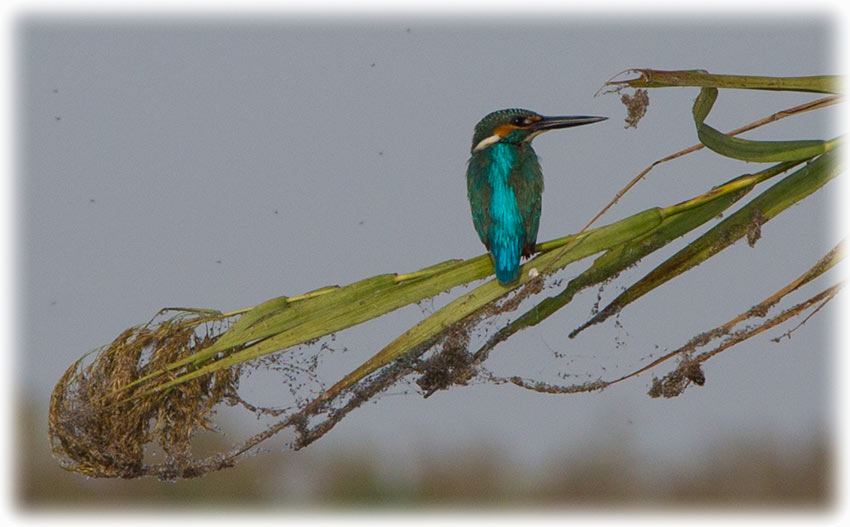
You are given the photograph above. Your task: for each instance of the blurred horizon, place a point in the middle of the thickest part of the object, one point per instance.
(738, 472)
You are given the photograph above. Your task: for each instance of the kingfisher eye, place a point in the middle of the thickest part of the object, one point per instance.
(519, 121)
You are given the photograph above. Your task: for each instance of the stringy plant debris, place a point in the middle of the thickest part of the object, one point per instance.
(451, 365)
(676, 381)
(636, 105)
(454, 363)
(754, 228)
(92, 433)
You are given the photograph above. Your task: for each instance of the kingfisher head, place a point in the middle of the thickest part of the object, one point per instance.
(516, 126)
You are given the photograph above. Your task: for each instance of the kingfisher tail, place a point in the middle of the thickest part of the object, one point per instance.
(506, 253)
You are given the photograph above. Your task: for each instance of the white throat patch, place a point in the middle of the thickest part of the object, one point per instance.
(487, 141)
(532, 135)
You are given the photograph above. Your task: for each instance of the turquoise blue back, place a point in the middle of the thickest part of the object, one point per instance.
(505, 187)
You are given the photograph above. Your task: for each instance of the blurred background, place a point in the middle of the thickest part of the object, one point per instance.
(304, 151)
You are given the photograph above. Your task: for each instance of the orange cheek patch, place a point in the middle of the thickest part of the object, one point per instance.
(504, 130)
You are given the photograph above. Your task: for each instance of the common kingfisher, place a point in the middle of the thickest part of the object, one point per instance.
(505, 184)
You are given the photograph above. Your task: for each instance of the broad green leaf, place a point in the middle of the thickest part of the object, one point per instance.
(299, 322)
(760, 210)
(650, 78)
(613, 262)
(582, 246)
(684, 218)
(747, 150)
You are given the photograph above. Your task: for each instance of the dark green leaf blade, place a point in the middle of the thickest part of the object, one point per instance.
(760, 210)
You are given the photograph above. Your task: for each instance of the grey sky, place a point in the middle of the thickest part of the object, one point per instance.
(221, 162)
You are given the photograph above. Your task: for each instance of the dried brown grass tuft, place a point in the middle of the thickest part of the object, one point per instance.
(95, 431)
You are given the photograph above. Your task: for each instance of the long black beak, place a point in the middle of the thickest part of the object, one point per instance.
(564, 121)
